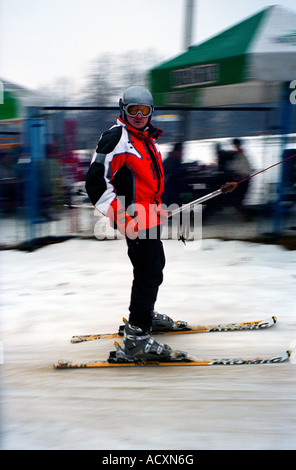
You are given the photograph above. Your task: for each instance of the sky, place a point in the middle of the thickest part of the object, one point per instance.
(42, 41)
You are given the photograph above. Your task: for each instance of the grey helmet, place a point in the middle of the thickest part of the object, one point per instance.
(135, 95)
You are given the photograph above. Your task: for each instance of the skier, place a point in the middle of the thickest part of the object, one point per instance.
(125, 182)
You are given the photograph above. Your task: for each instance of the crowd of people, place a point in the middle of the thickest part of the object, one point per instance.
(231, 165)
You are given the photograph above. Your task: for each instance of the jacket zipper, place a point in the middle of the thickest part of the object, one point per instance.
(155, 164)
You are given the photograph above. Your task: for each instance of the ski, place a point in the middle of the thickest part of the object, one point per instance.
(185, 361)
(183, 328)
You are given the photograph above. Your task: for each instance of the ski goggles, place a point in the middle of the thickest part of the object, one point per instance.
(133, 109)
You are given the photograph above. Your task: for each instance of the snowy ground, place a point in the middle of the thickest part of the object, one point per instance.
(82, 286)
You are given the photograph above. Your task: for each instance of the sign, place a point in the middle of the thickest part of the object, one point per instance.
(196, 75)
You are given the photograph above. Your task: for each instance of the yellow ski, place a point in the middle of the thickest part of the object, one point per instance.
(183, 328)
(187, 361)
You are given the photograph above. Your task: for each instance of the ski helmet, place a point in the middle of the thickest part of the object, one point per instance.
(135, 95)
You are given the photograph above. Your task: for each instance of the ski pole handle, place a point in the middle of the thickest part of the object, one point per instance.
(196, 201)
(227, 187)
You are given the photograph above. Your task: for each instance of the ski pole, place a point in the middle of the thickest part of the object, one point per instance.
(267, 168)
(228, 187)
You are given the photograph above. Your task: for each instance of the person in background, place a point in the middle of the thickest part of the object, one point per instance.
(239, 168)
(174, 175)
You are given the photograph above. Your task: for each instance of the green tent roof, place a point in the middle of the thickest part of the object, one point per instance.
(235, 39)
(218, 61)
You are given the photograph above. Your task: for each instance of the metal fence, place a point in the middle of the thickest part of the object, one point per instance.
(43, 197)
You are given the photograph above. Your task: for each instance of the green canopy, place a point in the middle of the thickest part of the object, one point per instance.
(14, 99)
(259, 49)
(9, 106)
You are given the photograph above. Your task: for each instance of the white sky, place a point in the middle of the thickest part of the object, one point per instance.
(43, 40)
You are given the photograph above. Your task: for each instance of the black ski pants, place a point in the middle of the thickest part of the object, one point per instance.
(148, 260)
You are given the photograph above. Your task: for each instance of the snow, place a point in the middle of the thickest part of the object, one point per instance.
(83, 286)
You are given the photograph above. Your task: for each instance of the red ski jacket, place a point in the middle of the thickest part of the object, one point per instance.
(126, 173)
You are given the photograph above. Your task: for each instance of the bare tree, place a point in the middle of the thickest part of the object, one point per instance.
(111, 74)
(108, 77)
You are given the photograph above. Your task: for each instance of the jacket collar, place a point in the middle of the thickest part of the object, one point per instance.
(149, 132)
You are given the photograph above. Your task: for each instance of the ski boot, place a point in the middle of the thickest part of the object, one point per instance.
(160, 324)
(164, 323)
(119, 356)
(141, 346)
